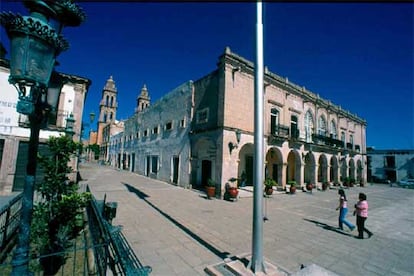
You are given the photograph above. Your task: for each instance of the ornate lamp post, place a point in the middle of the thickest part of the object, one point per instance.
(35, 42)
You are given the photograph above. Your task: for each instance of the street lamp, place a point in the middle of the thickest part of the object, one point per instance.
(35, 42)
(70, 122)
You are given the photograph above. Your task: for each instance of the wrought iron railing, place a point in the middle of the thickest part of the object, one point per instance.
(117, 253)
(100, 245)
(326, 140)
(9, 222)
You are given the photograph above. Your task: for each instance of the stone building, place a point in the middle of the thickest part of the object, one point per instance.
(15, 134)
(207, 131)
(393, 165)
(156, 141)
(307, 138)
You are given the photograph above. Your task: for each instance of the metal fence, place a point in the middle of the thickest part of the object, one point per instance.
(118, 254)
(100, 247)
(9, 222)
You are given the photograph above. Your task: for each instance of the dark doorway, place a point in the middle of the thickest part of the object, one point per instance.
(275, 172)
(176, 162)
(133, 162)
(249, 170)
(205, 171)
(148, 165)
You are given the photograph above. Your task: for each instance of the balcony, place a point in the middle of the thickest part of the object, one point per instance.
(282, 133)
(326, 140)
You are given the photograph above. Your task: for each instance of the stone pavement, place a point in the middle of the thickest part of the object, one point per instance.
(178, 231)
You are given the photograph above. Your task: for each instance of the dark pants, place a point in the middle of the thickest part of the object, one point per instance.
(361, 227)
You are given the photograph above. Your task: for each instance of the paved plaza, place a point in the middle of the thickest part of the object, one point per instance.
(178, 231)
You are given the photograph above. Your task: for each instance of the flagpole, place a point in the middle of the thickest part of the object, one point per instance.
(257, 263)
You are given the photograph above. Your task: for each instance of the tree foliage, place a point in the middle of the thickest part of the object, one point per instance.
(56, 215)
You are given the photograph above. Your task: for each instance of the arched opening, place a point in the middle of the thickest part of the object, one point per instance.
(293, 167)
(323, 169)
(274, 165)
(309, 170)
(333, 175)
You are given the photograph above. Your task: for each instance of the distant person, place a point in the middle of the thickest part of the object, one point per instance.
(361, 211)
(343, 210)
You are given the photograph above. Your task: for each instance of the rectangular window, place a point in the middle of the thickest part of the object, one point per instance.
(145, 134)
(168, 126)
(154, 164)
(202, 116)
(155, 130)
(182, 123)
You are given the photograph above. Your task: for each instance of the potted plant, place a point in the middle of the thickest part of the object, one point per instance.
(231, 189)
(309, 186)
(292, 184)
(325, 186)
(211, 188)
(269, 183)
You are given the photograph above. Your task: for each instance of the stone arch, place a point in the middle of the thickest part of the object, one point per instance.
(309, 170)
(351, 168)
(293, 167)
(246, 163)
(203, 161)
(274, 165)
(344, 168)
(322, 169)
(333, 175)
(359, 171)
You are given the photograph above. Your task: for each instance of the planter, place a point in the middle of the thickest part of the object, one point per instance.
(268, 190)
(324, 186)
(292, 189)
(233, 192)
(211, 192)
(309, 186)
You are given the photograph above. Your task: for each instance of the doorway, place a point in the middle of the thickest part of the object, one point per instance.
(205, 171)
(176, 162)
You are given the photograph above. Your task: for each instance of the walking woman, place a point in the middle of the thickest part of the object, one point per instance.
(343, 210)
(361, 211)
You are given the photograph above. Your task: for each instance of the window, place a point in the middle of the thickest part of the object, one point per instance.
(155, 130)
(168, 126)
(343, 137)
(322, 126)
(274, 121)
(308, 126)
(145, 134)
(202, 116)
(334, 134)
(182, 123)
(351, 139)
(294, 127)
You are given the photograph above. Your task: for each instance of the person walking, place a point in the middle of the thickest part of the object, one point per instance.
(361, 211)
(343, 210)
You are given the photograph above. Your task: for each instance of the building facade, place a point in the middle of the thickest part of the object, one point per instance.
(306, 138)
(15, 131)
(155, 142)
(392, 165)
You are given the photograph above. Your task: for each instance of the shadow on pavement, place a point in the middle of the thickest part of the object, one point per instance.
(328, 227)
(143, 196)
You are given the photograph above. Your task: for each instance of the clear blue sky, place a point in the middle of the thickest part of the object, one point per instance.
(359, 56)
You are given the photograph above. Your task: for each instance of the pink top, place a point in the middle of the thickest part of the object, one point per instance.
(362, 208)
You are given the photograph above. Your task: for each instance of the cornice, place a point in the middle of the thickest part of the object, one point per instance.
(247, 66)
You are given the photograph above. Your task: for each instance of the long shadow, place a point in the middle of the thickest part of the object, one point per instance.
(143, 196)
(328, 227)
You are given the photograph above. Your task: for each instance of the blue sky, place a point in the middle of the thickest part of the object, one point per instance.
(358, 55)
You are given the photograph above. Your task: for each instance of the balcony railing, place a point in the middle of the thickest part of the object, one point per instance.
(282, 132)
(326, 140)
